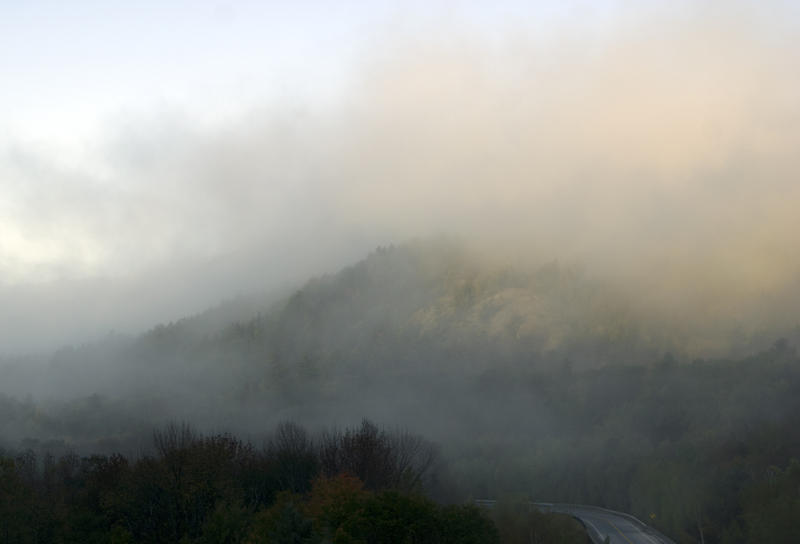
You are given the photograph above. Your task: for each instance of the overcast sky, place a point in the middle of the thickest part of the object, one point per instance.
(157, 157)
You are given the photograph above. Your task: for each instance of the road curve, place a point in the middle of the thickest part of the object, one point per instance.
(600, 523)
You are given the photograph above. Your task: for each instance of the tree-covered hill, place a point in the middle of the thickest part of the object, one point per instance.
(543, 381)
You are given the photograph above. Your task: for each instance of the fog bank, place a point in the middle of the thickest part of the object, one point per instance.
(657, 148)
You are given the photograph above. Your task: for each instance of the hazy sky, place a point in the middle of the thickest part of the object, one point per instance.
(156, 157)
(98, 96)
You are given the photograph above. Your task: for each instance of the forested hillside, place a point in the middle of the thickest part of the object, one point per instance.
(543, 382)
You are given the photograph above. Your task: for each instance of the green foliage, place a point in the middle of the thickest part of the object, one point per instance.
(467, 524)
(344, 512)
(228, 524)
(283, 523)
(216, 489)
(392, 517)
(772, 506)
(337, 506)
(17, 507)
(120, 535)
(519, 522)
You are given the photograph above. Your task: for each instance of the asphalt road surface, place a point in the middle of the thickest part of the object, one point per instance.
(618, 527)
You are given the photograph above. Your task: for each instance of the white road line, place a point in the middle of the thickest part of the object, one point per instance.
(650, 538)
(596, 530)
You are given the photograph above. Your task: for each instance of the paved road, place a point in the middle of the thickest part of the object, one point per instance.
(620, 528)
(600, 523)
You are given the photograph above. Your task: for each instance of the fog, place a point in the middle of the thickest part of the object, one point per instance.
(558, 241)
(657, 146)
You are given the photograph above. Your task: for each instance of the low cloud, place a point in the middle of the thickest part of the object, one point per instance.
(660, 150)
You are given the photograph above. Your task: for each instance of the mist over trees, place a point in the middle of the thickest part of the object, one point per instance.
(592, 292)
(545, 383)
